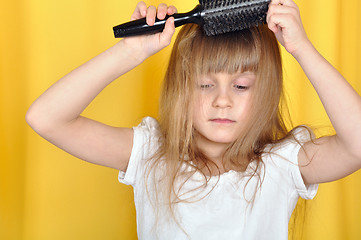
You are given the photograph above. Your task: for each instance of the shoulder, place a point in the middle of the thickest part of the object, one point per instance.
(282, 162)
(289, 146)
(146, 141)
(148, 124)
(146, 136)
(146, 132)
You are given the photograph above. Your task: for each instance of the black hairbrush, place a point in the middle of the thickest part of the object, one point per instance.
(215, 16)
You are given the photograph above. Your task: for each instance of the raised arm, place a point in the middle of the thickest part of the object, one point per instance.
(332, 157)
(55, 115)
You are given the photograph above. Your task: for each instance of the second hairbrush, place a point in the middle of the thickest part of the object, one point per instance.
(215, 16)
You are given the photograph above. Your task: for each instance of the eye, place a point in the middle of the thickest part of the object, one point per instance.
(205, 86)
(240, 87)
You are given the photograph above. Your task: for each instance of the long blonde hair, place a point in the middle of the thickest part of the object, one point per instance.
(194, 53)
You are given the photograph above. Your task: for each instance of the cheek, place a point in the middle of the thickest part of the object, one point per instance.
(199, 107)
(244, 108)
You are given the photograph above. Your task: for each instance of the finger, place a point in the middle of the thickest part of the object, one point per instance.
(162, 11)
(166, 36)
(172, 10)
(277, 2)
(151, 13)
(289, 3)
(279, 21)
(140, 11)
(280, 9)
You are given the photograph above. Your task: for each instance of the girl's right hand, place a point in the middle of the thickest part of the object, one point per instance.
(146, 45)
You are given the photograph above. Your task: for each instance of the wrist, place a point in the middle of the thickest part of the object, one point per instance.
(303, 50)
(132, 54)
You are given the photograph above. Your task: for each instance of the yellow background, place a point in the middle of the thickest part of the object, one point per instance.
(47, 194)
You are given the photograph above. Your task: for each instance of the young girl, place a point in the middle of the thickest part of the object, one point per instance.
(220, 162)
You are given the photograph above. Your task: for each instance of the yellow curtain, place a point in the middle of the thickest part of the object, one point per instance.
(47, 194)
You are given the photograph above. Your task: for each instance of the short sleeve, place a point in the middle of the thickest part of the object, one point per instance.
(285, 159)
(145, 143)
(302, 135)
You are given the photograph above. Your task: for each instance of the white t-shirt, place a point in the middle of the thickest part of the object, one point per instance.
(225, 213)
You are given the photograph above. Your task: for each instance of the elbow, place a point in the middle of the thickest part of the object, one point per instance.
(31, 118)
(35, 120)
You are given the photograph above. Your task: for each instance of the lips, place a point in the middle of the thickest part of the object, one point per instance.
(222, 120)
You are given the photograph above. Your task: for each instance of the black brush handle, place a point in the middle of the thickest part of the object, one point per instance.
(140, 26)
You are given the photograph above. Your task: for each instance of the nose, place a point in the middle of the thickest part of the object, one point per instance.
(222, 99)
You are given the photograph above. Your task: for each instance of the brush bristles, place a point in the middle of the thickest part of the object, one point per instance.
(222, 16)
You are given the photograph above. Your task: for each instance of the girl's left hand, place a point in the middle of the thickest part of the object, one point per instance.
(284, 20)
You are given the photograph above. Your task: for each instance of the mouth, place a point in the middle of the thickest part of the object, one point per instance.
(222, 120)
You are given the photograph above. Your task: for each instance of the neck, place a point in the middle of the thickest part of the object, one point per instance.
(215, 152)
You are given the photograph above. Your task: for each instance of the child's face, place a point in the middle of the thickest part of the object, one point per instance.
(221, 106)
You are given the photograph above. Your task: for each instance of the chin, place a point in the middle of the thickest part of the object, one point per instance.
(222, 139)
(217, 137)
